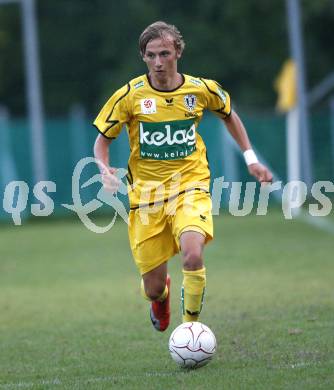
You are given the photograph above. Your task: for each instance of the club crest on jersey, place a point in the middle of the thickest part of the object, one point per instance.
(148, 106)
(190, 102)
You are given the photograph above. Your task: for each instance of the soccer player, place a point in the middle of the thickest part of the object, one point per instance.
(168, 172)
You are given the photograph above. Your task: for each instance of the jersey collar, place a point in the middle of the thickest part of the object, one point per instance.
(162, 90)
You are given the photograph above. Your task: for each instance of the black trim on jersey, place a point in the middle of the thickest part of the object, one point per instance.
(163, 90)
(100, 132)
(114, 122)
(168, 199)
(218, 85)
(129, 176)
(219, 111)
(210, 90)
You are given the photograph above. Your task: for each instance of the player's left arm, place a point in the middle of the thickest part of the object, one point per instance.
(239, 133)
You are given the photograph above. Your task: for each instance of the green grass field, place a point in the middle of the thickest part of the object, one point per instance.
(72, 316)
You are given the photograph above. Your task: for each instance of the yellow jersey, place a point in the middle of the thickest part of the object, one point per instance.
(167, 155)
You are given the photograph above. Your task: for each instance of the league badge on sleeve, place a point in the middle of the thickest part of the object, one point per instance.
(221, 94)
(190, 102)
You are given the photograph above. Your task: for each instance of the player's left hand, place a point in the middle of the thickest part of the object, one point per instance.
(261, 173)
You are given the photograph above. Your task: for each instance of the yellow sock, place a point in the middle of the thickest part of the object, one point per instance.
(192, 294)
(162, 296)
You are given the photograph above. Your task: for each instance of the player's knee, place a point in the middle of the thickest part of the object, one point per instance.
(154, 291)
(192, 259)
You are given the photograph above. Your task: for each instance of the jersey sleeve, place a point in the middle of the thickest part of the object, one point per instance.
(218, 100)
(114, 114)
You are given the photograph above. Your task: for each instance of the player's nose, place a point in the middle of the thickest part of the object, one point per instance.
(157, 61)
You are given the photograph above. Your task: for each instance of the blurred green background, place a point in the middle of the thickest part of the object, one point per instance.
(89, 48)
(71, 313)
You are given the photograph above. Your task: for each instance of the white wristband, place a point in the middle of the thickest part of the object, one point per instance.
(250, 157)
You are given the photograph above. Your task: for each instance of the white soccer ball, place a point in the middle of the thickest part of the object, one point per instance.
(192, 344)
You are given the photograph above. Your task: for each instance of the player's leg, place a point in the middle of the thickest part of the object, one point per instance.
(152, 246)
(192, 228)
(194, 275)
(156, 288)
(153, 285)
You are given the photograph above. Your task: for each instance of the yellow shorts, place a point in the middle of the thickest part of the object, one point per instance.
(154, 231)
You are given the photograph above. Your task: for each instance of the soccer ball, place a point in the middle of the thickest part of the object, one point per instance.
(192, 345)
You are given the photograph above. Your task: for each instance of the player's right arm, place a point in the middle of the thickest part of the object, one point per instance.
(101, 153)
(109, 123)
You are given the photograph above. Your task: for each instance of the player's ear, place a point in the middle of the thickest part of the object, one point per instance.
(178, 54)
(142, 55)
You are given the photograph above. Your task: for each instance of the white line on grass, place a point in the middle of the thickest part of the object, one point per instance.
(318, 222)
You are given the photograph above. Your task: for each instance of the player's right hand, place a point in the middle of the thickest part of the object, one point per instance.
(109, 180)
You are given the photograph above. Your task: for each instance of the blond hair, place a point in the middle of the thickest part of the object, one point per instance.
(160, 29)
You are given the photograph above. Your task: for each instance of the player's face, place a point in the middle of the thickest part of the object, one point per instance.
(161, 58)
